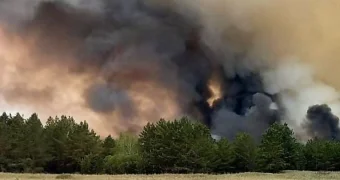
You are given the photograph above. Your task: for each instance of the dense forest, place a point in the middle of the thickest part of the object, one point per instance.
(179, 146)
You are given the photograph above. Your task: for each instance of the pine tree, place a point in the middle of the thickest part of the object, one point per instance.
(245, 152)
(108, 146)
(322, 155)
(57, 132)
(224, 157)
(15, 152)
(277, 150)
(178, 146)
(35, 145)
(4, 142)
(82, 142)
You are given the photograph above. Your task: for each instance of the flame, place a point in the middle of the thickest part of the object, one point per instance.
(215, 88)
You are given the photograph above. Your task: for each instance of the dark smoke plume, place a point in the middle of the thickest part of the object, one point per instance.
(123, 63)
(322, 123)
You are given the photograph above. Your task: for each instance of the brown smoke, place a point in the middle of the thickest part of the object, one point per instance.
(41, 71)
(273, 29)
(37, 81)
(46, 88)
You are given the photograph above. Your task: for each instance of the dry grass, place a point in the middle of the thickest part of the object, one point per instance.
(244, 176)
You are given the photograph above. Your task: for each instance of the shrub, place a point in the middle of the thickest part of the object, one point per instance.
(122, 164)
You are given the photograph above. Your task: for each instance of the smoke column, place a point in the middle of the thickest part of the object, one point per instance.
(237, 66)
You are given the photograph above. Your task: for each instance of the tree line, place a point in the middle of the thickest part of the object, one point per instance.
(179, 146)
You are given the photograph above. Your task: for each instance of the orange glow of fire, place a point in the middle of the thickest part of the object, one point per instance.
(216, 91)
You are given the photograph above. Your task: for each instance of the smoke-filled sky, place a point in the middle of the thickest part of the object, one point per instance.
(236, 65)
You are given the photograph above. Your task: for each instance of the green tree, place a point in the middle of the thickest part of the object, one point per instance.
(301, 161)
(35, 145)
(126, 156)
(4, 142)
(16, 137)
(322, 155)
(57, 132)
(108, 146)
(269, 158)
(245, 152)
(69, 143)
(177, 146)
(278, 149)
(92, 164)
(224, 157)
(82, 142)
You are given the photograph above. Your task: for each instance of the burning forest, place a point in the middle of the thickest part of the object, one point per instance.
(237, 66)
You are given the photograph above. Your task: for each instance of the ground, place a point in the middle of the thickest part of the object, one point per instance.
(243, 176)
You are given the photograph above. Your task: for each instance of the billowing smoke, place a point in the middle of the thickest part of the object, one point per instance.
(237, 66)
(322, 123)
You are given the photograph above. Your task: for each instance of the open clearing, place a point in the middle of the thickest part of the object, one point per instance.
(243, 176)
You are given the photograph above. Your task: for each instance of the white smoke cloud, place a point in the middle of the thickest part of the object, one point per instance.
(298, 90)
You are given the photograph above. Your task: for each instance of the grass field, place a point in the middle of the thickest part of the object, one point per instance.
(244, 176)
